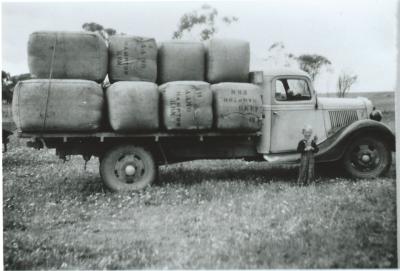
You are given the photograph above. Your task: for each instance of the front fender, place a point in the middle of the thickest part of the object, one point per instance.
(334, 147)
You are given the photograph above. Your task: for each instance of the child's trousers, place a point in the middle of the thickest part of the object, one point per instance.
(306, 172)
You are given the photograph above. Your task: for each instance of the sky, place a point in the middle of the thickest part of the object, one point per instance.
(357, 36)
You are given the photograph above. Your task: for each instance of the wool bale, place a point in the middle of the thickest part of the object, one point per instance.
(237, 106)
(132, 58)
(133, 106)
(187, 105)
(228, 60)
(58, 105)
(67, 55)
(181, 61)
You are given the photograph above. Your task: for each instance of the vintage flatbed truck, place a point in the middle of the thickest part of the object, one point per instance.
(347, 129)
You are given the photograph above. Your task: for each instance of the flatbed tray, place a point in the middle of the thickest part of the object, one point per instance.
(156, 136)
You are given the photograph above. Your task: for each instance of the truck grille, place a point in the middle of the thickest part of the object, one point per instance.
(342, 118)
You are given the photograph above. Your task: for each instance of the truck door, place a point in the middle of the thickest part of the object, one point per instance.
(292, 107)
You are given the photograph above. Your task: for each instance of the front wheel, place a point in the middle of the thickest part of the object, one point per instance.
(127, 168)
(367, 157)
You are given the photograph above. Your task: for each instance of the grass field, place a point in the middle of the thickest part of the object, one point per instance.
(204, 214)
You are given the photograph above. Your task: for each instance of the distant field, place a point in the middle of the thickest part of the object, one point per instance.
(204, 214)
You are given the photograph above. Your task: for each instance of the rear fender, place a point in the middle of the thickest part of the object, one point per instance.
(334, 147)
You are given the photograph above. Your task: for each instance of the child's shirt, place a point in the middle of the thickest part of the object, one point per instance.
(303, 144)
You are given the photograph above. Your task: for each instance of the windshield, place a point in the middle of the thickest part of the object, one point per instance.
(292, 90)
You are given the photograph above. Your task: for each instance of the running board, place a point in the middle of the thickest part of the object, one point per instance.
(282, 158)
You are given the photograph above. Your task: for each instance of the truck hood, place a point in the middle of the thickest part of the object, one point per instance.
(343, 103)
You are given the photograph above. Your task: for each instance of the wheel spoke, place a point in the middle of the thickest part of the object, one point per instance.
(364, 148)
(374, 154)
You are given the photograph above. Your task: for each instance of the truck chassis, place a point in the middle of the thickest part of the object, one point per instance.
(130, 161)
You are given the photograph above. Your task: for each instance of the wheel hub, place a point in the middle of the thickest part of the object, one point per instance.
(130, 170)
(365, 158)
(366, 155)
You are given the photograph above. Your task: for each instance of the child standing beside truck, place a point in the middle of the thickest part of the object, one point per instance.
(307, 147)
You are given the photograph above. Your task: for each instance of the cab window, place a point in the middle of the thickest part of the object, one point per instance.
(292, 90)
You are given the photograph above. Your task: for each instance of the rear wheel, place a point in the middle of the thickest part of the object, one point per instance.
(367, 157)
(127, 168)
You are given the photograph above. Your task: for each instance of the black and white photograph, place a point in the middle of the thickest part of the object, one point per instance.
(199, 134)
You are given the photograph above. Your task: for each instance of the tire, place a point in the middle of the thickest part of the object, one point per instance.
(127, 168)
(367, 157)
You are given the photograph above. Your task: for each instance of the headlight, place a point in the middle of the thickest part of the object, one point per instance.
(376, 114)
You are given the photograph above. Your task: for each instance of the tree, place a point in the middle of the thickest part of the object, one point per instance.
(205, 18)
(105, 33)
(5, 76)
(278, 56)
(8, 83)
(344, 83)
(6, 92)
(312, 64)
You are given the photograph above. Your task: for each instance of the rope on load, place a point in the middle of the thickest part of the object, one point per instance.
(50, 77)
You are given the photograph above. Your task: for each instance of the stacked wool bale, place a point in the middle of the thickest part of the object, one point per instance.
(58, 105)
(74, 103)
(181, 61)
(187, 105)
(133, 105)
(228, 60)
(67, 55)
(186, 100)
(237, 104)
(65, 98)
(132, 59)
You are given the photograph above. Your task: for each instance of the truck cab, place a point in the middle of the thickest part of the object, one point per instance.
(343, 126)
(289, 103)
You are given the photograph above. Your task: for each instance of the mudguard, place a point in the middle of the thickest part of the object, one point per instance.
(334, 147)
